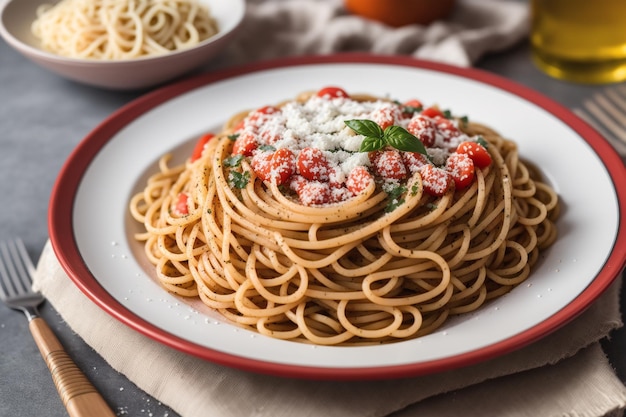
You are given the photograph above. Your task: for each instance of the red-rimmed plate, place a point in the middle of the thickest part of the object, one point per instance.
(91, 231)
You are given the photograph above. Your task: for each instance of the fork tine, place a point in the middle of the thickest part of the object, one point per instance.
(7, 270)
(6, 287)
(620, 100)
(614, 105)
(619, 146)
(608, 114)
(26, 261)
(17, 264)
(21, 260)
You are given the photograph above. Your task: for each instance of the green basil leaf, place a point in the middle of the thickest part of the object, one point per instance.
(233, 137)
(401, 139)
(367, 128)
(370, 144)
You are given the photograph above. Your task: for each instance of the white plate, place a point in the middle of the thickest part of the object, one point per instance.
(90, 226)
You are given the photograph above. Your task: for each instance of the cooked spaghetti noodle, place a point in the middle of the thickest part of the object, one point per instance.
(391, 261)
(122, 29)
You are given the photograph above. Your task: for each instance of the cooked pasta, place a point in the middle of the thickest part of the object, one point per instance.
(306, 222)
(122, 29)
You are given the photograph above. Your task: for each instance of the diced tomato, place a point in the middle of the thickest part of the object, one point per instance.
(181, 208)
(336, 177)
(447, 128)
(283, 165)
(278, 166)
(261, 163)
(436, 181)
(386, 116)
(389, 165)
(373, 156)
(314, 193)
(423, 128)
(414, 161)
(339, 194)
(256, 119)
(296, 182)
(260, 112)
(413, 104)
(332, 92)
(461, 169)
(313, 165)
(268, 137)
(199, 148)
(358, 180)
(432, 112)
(479, 154)
(245, 144)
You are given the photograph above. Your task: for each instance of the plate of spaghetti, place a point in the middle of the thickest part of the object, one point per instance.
(292, 219)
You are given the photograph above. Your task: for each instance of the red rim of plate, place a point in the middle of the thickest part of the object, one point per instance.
(68, 253)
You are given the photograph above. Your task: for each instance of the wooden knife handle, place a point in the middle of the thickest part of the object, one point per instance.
(80, 397)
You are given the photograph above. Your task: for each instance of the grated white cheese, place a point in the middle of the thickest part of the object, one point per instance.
(319, 122)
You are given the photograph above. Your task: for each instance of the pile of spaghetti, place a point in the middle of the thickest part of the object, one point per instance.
(341, 219)
(122, 29)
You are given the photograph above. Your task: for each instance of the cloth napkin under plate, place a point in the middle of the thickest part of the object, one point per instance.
(275, 28)
(566, 374)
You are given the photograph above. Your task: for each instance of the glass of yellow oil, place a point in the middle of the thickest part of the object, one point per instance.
(580, 40)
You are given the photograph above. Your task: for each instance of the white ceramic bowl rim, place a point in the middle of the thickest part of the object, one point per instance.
(229, 18)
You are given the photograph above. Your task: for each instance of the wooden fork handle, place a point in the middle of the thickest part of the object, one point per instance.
(80, 397)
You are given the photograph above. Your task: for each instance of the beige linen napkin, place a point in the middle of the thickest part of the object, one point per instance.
(565, 374)
(274, 28)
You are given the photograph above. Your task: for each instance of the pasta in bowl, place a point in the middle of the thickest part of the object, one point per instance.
(120, 44)
(346, 219)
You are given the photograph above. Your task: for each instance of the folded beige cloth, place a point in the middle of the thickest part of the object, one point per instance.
(565, 374)
(275, 28)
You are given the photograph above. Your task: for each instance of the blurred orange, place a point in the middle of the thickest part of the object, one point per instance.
(401, 12)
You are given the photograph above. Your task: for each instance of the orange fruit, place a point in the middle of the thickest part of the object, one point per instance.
(401, 12)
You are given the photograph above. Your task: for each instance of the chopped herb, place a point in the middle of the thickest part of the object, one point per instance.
(447, 114)
(408, 109)
(233, 137)
(267, 148)
(464, 120)
(412, 109)
(394, 198)
(431, 206)
(481, 141)
(233, 161)
(414, 189)
(238, 180)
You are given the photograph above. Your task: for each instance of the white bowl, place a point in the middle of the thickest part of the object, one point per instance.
(16, 17)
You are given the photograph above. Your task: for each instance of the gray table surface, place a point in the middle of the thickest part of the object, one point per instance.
(42, 118)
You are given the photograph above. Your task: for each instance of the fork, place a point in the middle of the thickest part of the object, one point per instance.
(606, 112)
(79, 396)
